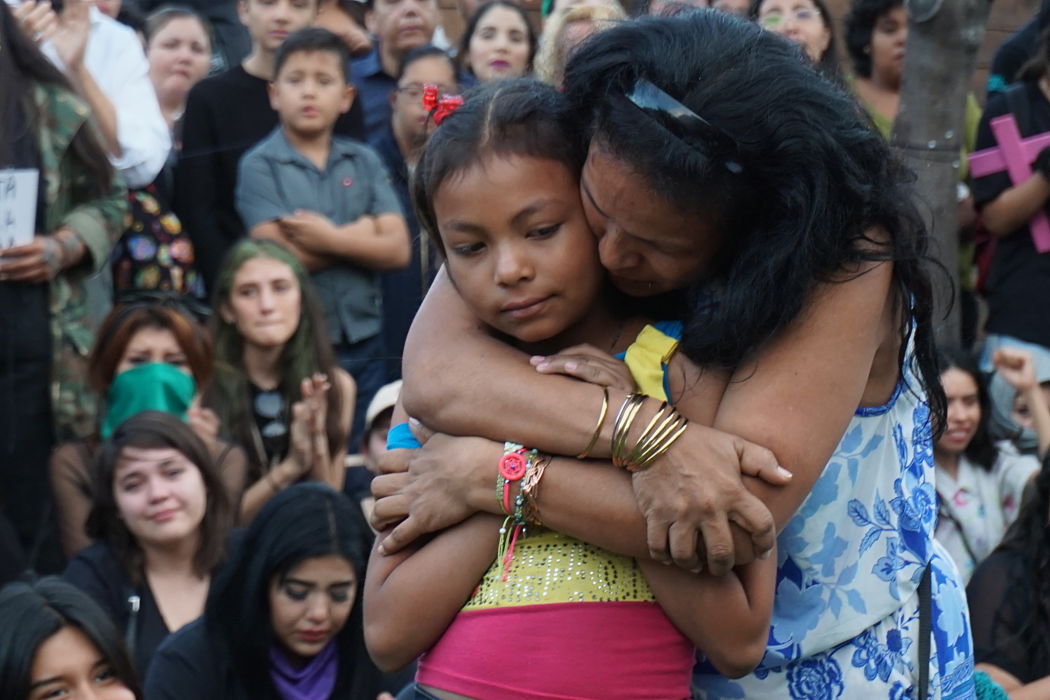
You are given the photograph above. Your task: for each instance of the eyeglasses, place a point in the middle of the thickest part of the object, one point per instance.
(686, 124)
(777, 19)
(414, 91)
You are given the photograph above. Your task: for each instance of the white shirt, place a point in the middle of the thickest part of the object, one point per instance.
(116, 61)
(977, 506)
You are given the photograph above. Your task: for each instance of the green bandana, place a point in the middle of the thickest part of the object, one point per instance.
(155, 386)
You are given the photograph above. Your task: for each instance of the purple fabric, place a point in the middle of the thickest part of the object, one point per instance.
(314, 681)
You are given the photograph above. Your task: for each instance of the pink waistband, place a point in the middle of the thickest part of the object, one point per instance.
(562, 651)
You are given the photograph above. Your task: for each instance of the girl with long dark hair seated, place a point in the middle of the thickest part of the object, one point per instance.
(277, 389)
(56, 642)
(283, 619)
(160, 517)
(148, 356)
(980, 483)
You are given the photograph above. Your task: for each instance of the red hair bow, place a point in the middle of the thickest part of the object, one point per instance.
(440, 107)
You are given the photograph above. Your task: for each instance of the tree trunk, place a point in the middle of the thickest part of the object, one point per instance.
(943, 39)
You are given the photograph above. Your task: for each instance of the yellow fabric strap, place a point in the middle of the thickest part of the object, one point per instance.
(646, 358)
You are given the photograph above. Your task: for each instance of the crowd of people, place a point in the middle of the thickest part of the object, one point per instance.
(591, 354)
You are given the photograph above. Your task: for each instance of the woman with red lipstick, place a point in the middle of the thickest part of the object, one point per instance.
(980, 483)
(160, 520)
(499, 42)
(283, 618)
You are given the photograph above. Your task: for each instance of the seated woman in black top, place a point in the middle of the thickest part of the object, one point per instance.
(160, 520)
(283, 618)
(56, 642)
(1009, 598)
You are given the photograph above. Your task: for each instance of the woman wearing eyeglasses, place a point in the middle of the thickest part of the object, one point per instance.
(805, 22)
(782, 233)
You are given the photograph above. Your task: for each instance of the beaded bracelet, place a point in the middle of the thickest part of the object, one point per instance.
(513, 466)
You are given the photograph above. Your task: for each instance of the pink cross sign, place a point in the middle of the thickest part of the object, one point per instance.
(1015, 155)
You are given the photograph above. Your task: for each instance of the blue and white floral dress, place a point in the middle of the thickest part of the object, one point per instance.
(846, 613)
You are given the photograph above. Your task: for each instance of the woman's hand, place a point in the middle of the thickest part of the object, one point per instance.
(38, 261)
(315, 396)
(433, 487)
(690, 496)
(588, 363)
(204, 421)
(301, 440)
(1017, 368)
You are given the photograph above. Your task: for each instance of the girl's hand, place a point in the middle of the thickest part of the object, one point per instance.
(204, 421)
(37, 20)
(588, 363)
(1016, 367)
(690, 495)
(301, 439)
(432, 488)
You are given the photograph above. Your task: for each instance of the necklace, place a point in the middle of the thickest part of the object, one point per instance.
(616, 337)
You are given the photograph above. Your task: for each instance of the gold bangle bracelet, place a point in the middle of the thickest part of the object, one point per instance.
(622, 427)
(598, 428)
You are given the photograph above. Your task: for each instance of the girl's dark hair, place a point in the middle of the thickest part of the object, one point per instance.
(421, 52)
(521, 117)
(829, 60)
(31, 613)
(812, 184)
(156, 429)
(463, 53)
(302, 522)
(1039, 64)
(1029, 535)
(306, 353)
(21, 65)
(982, 449)
(162, 16)
(860, 25)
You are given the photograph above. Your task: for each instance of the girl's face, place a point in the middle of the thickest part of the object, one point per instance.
(798, 20)
(311, 603)
(69, 666)
(265, 302)
(964, 411)
(499, 47)
(160, 495)
(179, 55)
(518, 247)
(647, 244)
(888, 40)
(152, 344)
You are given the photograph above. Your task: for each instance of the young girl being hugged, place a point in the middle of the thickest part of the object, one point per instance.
(498, 188)
(277, 390)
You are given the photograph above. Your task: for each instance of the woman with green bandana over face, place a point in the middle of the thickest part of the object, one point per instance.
(147, 357)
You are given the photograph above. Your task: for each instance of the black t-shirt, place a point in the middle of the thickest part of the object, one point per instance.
(1001, 599)
(225, 116)
(1019, 276)
(97, 571)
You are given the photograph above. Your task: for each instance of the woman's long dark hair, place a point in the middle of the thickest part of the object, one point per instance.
(814, 180)
(156, 429)
(982, 449)
(1030, 536)
(303, 522)
(31, 613)
(21, 65)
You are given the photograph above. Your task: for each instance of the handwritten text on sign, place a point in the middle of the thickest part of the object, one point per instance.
(17, 207)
